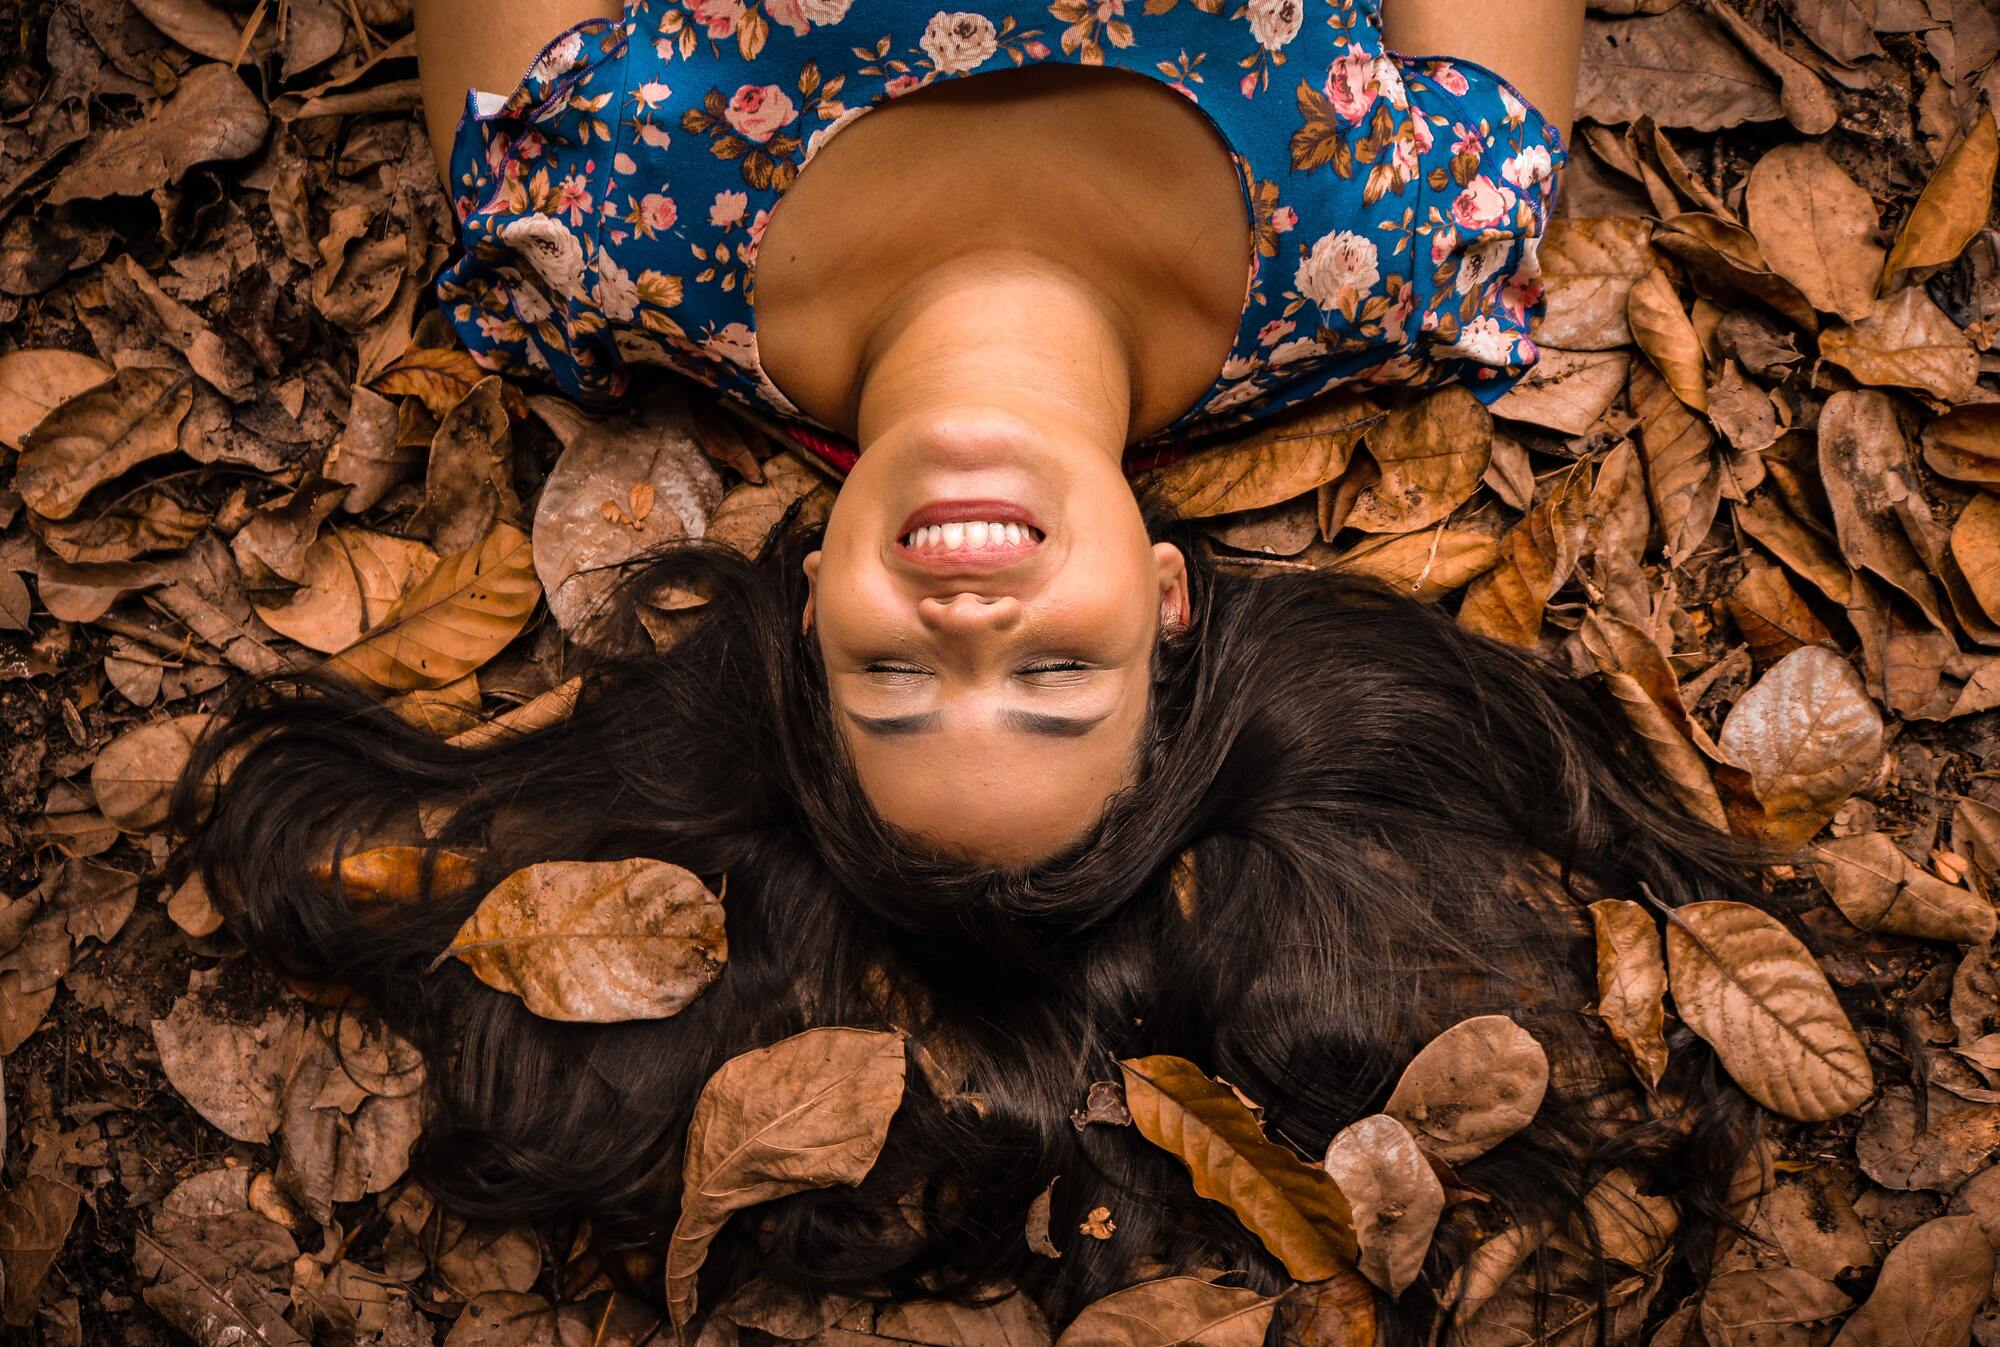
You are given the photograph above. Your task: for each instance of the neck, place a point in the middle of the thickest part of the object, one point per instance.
(1008, 331)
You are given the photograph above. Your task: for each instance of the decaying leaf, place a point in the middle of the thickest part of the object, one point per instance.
(212, 115)
(96, 435)
(1878, 888)
(810, 1111)
(461, 615)
(1816, 227)
(1953, 207)
(1964, 444)
(35, 1217)
(1295, 1209)
(34, 383)
(1906, 341)
(1809, 736)
(1677, 67)
(1663, 332)
(215, 1268)
(1535, 558)
(1275, 462)
(597, 941)
(1774, 620)
(1432, 455)
(1681, 476)
(1753, 992)
(1588, 268)
(133, 777)
(1932, 1284)
(350, 581)
(1395, 1195)
(1172, 1312)
(1638, 676)
(1473, 1086)
(1632, 984)
(1429, 564)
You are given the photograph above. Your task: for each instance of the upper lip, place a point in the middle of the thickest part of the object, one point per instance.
(966, 512)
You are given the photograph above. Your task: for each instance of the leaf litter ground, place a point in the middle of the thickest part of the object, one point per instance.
(1746, 490)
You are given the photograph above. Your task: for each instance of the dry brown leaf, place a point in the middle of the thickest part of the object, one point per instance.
(231, 1073)
(1276, 461)
(1663, 332)
(201, 27)
(1749, 988)
(1743, 412)
(750, 511)
(1432, 455)
(585, 523)
(1774, 620)
(1681, 478)
(1428, 565)
(1906, 341)
(1295, 1209)
(93, 437)
(1937, 1149)
(1808, 106)
(469, 478)
(1395, 1194)
(1639, 677)
(34, 383)
(1535, 558)
(1632, 984)
(1739, 1309)
(1878, 888)
(1843, 29)
(212, 115)
(1473, 1086)
(1879, 513)
(1975, 546)
(352, 579)
(1809, 736)
(1816, 228)
(1725, 260)
(440, 377)
(461, 615)
(1954, 205)
(35, 1217)
(133, 777)
(1676, 67)
(1964, 444)
(1172, 1312)
(1806, 551)
(1932, 1285)
(598, 941)
(1338, 1312)
(1588, 267)
(1568, 391)
(370, 456)
(810, 1111)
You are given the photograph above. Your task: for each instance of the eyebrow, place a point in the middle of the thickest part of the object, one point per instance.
(1031, 722)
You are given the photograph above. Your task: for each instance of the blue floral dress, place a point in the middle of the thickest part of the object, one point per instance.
(612, 205)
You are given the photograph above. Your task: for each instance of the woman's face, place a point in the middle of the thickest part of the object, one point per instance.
(990, 684)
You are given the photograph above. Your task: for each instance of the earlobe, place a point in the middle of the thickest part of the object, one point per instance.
(811, 568)
(1176, 612)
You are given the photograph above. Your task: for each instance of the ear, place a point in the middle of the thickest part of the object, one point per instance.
(1176, 613)
(811, 568)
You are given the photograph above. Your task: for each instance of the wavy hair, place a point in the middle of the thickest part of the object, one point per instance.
(1390, 824)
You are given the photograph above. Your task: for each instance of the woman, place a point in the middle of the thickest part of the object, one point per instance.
(985, 294)
(1046, 798)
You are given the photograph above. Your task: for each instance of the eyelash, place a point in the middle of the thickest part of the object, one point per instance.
(911, 671)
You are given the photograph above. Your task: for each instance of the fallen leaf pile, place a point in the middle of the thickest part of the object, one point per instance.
(1751, 491)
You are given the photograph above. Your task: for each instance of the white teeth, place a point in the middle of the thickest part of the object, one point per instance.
(972, 533)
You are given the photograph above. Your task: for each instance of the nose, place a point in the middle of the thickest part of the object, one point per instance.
(970, 614)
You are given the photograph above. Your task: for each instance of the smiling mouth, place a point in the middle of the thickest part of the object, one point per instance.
(975, 535)
(969, 534)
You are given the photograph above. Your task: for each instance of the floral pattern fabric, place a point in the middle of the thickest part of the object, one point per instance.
(612, 205)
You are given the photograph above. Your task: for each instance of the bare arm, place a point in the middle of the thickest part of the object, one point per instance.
(1537, 44)
(481, 44)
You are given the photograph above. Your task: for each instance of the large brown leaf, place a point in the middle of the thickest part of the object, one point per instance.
(1396, 1197)
(1172, 1312)
(1473, 1086)
(1276, 461)
(1878, 888)
(1747, 986)
(1878, 511)
(352, 578)
(1932, 1285)
(1954, 205)
(1432, 455)
(1681, 476)
(461, 615)
(1637, 673)
(35, 1216)
(1588, 267)
(1428, 565)
(1676, 67)
(1295, 1209)
(1774, 620)
(93, 437)
(1816, 227)
(34, 383)
(1964, 444)
(1662, 329)
(1632, 984)
(133, 777)
(1535, 558)
(810, 1111)
(1906, 341)
(597, 941)
(1569, 391)
(1809, 736)
(212, 115)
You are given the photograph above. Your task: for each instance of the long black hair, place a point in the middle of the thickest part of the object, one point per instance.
(1354, 824)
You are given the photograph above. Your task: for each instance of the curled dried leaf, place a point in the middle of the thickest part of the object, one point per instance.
(1432, 456)
(458, 617)
(1754, 993)
(1395, 1194)
(1172, 1312)
(1954, 204)
(1878, 888)
(1932, 1286)
(1295, 1209)
(93, 437)
(1632, 984)
(1473, 1086)
(1809, 736)
(1663, 332)
(1277, 461)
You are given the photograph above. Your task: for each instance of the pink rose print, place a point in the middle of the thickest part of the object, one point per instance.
(658, 212)
(1350, 85)
(1530, 168)
(720, 17)
(529, 146)
(652, 93)
(1284, 219)
(746, 251)
(1446, 77)
(728, 209)
(1275, 22)
(1396, 322)
(1483, 204)
(1468, 141)
(573, 198)
(1443, 244)
(1036, 50)
(758, 110)
(790, 13)
(902, 84)
(1516, 111)
(1247, 86)
(496, 151)
(1275, 331)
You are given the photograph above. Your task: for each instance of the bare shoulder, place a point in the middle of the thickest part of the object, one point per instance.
(1537, 45)
(476, 44)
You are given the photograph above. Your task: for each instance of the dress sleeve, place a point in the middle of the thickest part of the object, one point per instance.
(527, 176)
(1489, 189)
